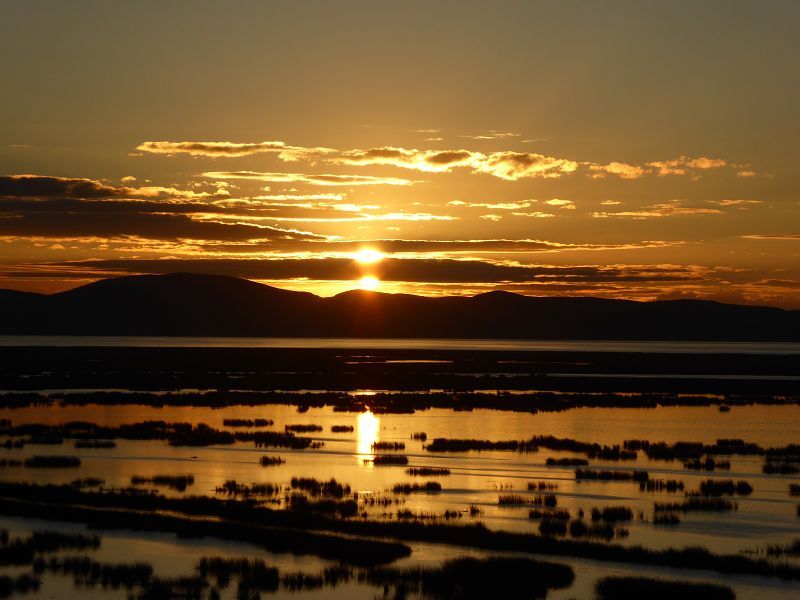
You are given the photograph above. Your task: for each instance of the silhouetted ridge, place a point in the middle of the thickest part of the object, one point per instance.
(185, 304)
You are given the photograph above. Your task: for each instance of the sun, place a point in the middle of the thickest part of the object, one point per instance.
(368, 283)
(368, 256)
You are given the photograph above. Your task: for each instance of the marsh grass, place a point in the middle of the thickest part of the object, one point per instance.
(427, 471)
(176, 482)
(410, 488)
(636, 588)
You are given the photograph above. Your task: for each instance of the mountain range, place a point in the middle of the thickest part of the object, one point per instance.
(184, 304)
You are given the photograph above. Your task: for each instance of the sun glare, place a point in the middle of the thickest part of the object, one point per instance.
(368, 430)
(368, 256)
(368, 283)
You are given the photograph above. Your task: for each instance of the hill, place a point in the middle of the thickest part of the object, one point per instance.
(184, 304)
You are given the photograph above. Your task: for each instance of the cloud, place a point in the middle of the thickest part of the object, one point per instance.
(535, 214)
(393, 269)
(673, 208)
(508, 165)
(620, 169)
(563, 204)
(773, 236)
(424, 247)
(43, 186)
(492, 217)
(492, 135)
(733, 202)
(323, 180)
(517, 205)
(746, 173)
(682, 164)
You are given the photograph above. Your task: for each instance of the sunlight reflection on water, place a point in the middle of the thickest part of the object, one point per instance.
(368, 431)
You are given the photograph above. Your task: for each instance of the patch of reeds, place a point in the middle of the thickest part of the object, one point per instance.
(314, 487)
(725, 487)
(248, 422)
(342, 429)
(636, 588)
(302, 428)
(175, 482)
(410, 488)
(427, 471)
(592, 475)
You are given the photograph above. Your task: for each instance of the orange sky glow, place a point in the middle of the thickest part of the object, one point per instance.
(324, 148)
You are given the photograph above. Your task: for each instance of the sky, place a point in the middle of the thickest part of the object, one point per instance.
(642, 150)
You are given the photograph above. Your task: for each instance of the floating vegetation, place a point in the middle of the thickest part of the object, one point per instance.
(10, 462)
(548, 442)
(635, 588)
(548, 500)
(696, 504)
(612, 514)
(201, 435)
(245, 522)
(373, 500)
(541, 486)
(708, 464)
(389, 459)
(578, 528)
(725, 487)
(409, 488)
(302, 428)
(666, 519)
(271, 461)
(475, 579)
(248, 422)
(792, 549)
(548, 526)
(390, 446)
(95, 444)
(87, 482)
(693, 450)
(342, 429)
(175, 482)
(660, 485)
(253, 575)
(312, 486)
(589, 475)
(560, 514)
(53, 462)
(21, 551)
(232, 488)
(784, 468)
(342, 508)
(88, 572)
(427, 471)
(566, 462)
(419, 436)
(21, 584)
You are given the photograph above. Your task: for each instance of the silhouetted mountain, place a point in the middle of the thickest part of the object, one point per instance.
(184, 304)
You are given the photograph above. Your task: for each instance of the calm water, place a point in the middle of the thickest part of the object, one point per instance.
(408, 344)
(768, 516)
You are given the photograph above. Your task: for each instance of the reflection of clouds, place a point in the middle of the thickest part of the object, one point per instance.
(368, 429)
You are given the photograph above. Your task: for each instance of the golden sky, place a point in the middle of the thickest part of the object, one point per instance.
(621, 149)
